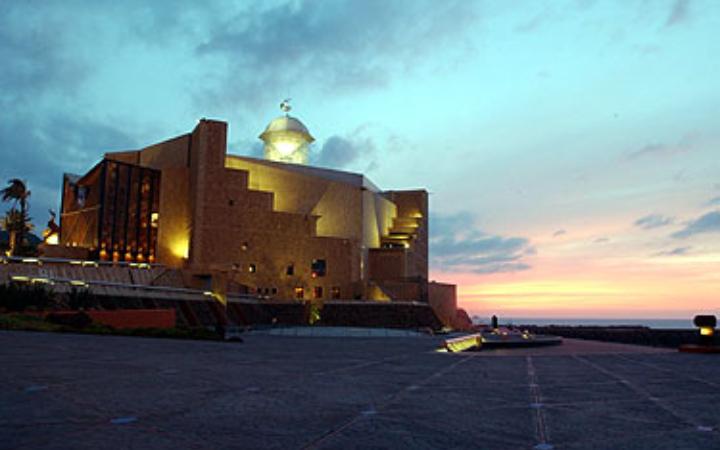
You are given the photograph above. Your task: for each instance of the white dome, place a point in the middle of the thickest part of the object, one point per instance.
(286, 125)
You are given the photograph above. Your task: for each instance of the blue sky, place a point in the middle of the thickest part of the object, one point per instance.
(544, 130)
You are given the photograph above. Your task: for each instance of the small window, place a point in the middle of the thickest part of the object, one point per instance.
(290, 270)
(318, 292)
(252, 268)
(318, 268)
(274, 291)
(299, 293)
(335, 292)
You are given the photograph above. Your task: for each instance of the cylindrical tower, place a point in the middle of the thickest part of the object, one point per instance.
(286, 139)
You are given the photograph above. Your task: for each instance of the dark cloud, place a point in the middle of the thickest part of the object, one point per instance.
(344, 45)
(653, 221)
(34, 60)
(40, 149)
(457, 246)
(678, 251)
(339, 152)
(678, 13)
(559, 233)
(707, 223)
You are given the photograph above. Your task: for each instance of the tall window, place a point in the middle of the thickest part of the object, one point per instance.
(335, 292)
(318, 292)
(290, 270)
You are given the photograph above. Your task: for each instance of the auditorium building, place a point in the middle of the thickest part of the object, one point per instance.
(274, 227)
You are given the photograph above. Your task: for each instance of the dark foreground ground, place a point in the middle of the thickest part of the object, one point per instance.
(80, 391)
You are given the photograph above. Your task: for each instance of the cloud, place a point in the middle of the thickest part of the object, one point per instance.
(559, 233)
(457, 246)
(47, 146)
(347, 46)
(653, 221)
(35, 61)
(678, 13)
(658, 150)
(707, 223)
(715, 201)
(678, 251)
(601, 240)
(338, 152)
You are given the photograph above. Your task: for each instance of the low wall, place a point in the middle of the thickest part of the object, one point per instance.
(340, 313)
(626, 335)
(130, 318)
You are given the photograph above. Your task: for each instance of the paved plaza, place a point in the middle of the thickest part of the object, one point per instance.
(65, 391)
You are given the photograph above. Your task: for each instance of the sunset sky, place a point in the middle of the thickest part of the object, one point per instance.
(571, 148)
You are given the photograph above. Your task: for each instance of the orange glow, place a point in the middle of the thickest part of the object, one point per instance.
(563, 284)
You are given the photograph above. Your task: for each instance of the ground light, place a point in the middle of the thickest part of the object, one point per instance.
(706, 336)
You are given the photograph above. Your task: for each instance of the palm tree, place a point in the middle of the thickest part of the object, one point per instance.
(17, 222)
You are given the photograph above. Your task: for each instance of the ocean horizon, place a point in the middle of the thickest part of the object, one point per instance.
(544, 321)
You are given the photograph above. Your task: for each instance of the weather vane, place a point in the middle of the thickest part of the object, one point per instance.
(285, 105)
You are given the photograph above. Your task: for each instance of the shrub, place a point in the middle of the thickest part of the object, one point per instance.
(81, 299)
(77, 320)
(18, 297)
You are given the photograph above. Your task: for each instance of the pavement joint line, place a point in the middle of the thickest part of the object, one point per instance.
(536, 402)
(641, 392)
(360, 365)
(390, 400)
(670, 371)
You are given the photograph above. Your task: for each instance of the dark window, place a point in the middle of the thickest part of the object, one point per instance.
(318, 268)
(318, 292)
(290, 270)
(252, 268)
(335, 292)
(274, 291)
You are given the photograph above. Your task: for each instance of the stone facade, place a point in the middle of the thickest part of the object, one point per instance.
(276, 229)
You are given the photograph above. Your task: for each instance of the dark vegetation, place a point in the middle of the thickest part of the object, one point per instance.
(23, 307)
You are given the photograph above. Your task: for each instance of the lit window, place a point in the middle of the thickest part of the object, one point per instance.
(290, 270)
(299, 292)
(252, 268)
(154, 217)
(335, 292)
(318, 292)
(318, 268)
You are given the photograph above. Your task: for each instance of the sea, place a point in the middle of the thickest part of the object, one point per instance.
(650, 323)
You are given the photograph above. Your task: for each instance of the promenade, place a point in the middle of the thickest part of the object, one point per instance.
(60, 391)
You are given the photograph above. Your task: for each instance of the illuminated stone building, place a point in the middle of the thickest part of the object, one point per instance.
(275, 226)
